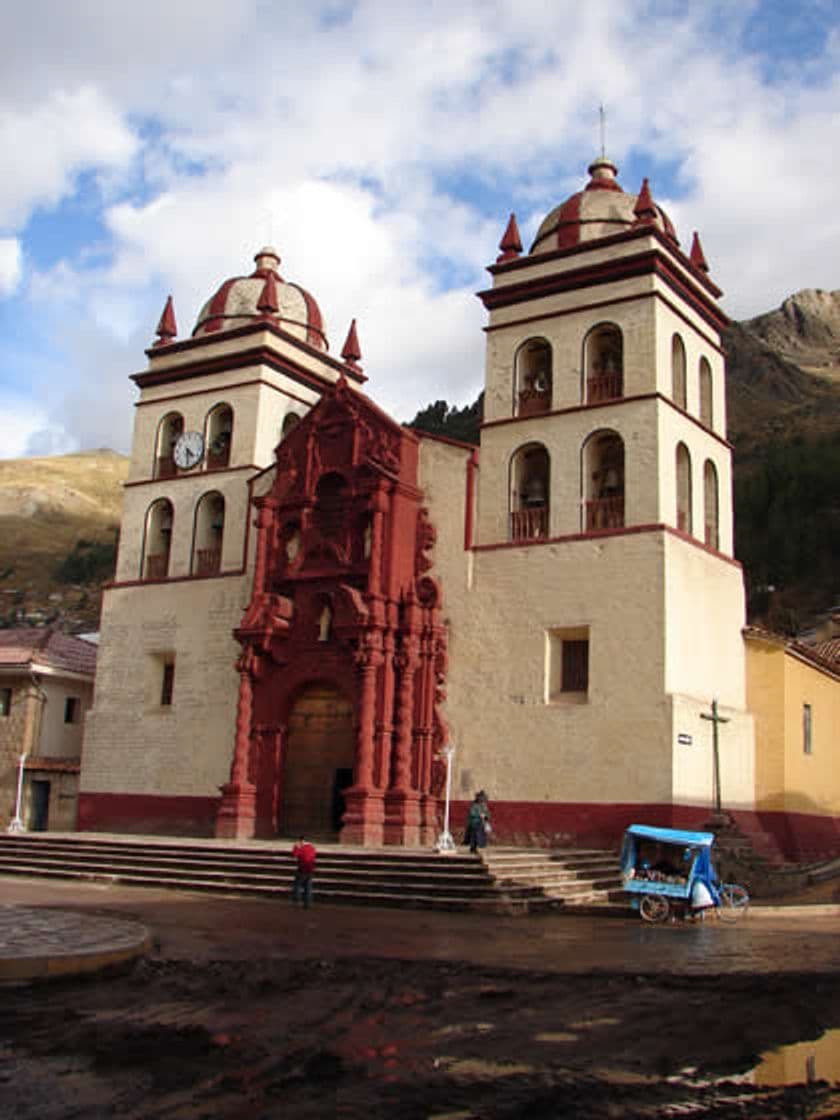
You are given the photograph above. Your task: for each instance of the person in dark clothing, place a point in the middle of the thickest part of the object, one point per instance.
(478, 822)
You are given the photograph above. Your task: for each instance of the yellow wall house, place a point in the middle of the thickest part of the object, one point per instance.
(46, 687)
(793, 692)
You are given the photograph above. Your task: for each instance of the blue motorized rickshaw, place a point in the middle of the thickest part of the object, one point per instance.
(669, 871)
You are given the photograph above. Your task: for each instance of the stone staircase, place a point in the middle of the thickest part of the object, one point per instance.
(568, 878)
(504, 881)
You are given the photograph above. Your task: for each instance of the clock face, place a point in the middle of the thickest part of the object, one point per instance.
(188, 450)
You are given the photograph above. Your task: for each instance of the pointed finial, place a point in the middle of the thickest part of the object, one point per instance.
(166, 328)
(268, 303)
(511, 243)
(696, 255)
(351, 352)
(603, 121)
(644, 209)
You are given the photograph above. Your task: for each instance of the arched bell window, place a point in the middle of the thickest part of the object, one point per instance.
(530, 471)
(684, 519)
(533, 378)
(706, 407)
(219, 436)
(604, 363)
(603, 481)
(169, 430)
(208, 534)
(157, 540)
(711, 504)
(678, 381)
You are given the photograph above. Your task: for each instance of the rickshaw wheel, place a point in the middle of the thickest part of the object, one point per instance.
(654, 908)
(734, 901)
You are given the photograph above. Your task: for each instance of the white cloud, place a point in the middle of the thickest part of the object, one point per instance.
(345, 140)
(11, 266)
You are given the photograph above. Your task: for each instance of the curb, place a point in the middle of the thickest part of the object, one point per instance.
(42, 943)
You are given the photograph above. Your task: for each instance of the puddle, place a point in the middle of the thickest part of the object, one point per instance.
(588, 1024)
(556, 1036)
(817, 1060)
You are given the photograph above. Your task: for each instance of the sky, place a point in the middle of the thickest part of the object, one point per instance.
(380, 146)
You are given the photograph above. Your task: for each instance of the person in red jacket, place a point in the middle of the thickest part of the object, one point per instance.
(305, 855)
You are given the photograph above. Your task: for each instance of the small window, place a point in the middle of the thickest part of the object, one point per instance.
(71, 709)
(806, 728)
(167, 684)
(5, 701)
(568, 665)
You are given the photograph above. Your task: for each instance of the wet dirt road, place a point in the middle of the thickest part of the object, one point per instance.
(251, 1008)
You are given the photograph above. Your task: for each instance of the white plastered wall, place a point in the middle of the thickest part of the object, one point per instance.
(59, 739)
(704, 616)
(135, 745)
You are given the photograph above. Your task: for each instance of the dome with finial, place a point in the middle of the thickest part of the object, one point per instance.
(602, 208)
(266, 296)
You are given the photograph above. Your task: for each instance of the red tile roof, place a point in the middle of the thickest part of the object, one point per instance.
(47, 648)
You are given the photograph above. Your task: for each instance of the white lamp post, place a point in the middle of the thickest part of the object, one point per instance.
(445, 843)
(16, 824)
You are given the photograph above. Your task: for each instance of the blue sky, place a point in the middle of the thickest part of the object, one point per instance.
(380, 146)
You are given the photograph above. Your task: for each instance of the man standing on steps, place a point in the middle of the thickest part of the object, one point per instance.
(305, 855)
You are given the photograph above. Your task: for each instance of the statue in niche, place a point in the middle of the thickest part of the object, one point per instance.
(325, 623)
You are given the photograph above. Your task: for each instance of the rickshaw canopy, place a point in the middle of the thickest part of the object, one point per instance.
(672, 836)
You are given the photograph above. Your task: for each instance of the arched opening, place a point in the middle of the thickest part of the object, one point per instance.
(604, 363)
(169, 429)
(706, 410)
(209, 534)
(603, 481)
(219, 436)
(157, 540)
(678, 381)
(318, 763)
(330, 504)
(711, 505)
(533, 377)
(530, 471)
(684, 520)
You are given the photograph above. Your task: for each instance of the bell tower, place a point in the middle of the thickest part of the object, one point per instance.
(603, 532)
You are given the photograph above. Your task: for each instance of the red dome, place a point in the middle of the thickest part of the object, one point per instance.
(264, 295)
(599, 210)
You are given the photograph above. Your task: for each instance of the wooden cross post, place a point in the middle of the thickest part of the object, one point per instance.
(715, 720)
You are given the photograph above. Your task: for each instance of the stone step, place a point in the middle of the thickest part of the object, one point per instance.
(418, 879)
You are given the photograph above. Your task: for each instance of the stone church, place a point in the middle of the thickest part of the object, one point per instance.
(312, 600)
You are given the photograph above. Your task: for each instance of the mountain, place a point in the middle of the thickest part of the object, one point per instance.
(59, 519)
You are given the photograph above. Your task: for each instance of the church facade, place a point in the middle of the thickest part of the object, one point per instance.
(312, 600)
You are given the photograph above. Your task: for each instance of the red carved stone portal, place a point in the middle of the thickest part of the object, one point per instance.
(343, 598)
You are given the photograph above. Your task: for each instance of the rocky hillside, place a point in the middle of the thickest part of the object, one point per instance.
(804, 330)
(59, 519)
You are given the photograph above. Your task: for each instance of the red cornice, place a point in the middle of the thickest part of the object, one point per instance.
(650, 262)
(259, 353)
(608, 404)
(606, 302)
(605, 242)
(212, 473)
(601, 534)
(158, 401)
(118, 585)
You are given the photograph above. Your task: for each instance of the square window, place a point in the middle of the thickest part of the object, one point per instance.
(167, 683)
(5, 701)
(71, 709)
(806, 729)
(567, 668)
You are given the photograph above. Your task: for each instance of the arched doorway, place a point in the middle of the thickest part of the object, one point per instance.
(318, 763)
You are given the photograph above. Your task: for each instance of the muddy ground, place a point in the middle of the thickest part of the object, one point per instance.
(375, 1038)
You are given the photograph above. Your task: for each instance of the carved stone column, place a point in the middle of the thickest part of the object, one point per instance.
(237, 811)
(364, 814)
(402, 802)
